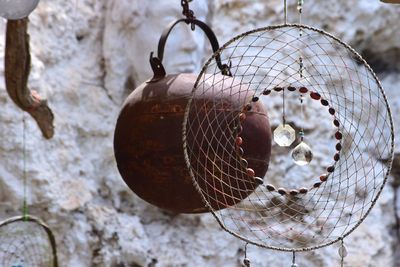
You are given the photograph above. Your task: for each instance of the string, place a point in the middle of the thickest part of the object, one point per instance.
(301, 66)
(25, 205)
(342, 254)
(283, 108)
(285, 11)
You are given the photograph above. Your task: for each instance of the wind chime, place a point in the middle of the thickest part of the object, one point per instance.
(24, 240)
(329, 83)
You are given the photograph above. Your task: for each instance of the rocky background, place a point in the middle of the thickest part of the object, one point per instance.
(73, 182)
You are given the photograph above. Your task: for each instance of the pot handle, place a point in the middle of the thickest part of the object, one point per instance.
(156, 62)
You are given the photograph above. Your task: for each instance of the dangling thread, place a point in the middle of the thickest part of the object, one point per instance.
(302, 153)
(285, 11)
(283, 108)
(246, 261)
(301, 68)
(294, 260)
(300, 4)
(24, 205)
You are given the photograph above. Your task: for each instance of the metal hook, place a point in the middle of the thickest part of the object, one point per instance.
(188, 13)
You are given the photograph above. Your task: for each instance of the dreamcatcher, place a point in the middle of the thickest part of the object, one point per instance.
(333, 135)
(26, 240)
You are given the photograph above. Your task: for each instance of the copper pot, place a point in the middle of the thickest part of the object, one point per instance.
(148, 140)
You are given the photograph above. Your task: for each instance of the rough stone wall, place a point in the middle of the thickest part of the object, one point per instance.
(73, 181)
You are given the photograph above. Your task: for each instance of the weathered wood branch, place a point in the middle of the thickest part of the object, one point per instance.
(17, 68)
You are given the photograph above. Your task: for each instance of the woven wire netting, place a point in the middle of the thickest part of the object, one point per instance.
(26, 243)
(346, 87)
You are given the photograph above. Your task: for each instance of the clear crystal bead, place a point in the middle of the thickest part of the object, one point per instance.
(342, 251)
(302, 154)
(284, 135)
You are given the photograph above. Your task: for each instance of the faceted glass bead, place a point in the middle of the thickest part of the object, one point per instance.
(284, 135)
(302, 154)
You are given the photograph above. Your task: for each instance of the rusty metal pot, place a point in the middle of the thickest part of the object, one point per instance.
(148, 138)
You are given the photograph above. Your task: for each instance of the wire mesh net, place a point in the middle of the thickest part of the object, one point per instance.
(26, 243)
(346, 121)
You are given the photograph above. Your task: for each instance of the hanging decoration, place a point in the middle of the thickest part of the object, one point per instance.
(391, 1)
(148, 143)
(26, 240)
(17, 69)
(337, 88)
(17, 9)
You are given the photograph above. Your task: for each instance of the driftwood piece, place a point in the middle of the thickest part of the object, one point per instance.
(17, 68)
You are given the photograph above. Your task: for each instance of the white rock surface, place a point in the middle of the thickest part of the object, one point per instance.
(86, 58)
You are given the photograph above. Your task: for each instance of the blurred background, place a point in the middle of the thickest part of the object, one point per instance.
(88, 55)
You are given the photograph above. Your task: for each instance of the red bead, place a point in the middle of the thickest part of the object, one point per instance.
(270, 187)
(247, 107)
(258, 180)
(303, 90)
(239, 141)
(242, 117)
(266, 92)
(336, 123)
(316, 185)
(238, 129)
(244, 163)
(315, 96)
(338, 135)
(303, 190)
(338, 146)
(330, 169)
(294, 192)
(323, 177)
(250, 172)
(282, 191)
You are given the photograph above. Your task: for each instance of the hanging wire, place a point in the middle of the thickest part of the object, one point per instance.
(283, 108)
(301, 67)
(246, 260)
(342, 252)
(24, 204)
(26, 240)
(294, 259)
(300, 4)
(285, 12)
